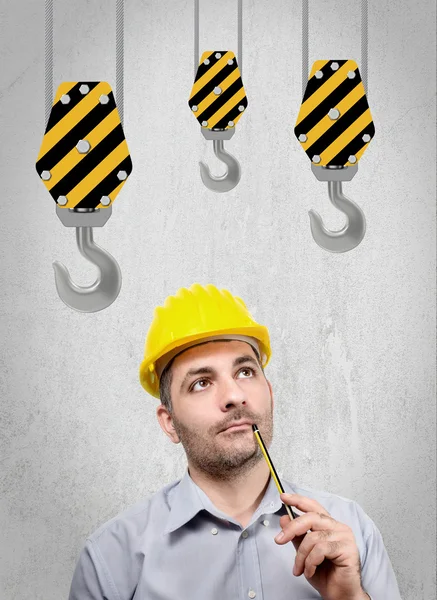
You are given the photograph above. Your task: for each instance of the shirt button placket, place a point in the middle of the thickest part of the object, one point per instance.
(251, 593)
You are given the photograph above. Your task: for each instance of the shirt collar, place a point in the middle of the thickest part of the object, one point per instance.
(188, 499)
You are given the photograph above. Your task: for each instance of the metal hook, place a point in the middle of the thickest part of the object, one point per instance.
(225, 182)
(351, 234)
(103, 291)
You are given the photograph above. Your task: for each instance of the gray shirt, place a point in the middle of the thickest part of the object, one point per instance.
(176, 545)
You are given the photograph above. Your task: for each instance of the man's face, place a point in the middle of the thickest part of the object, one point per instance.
(213, 385)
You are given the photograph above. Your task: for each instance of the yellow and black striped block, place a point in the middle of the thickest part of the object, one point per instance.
(84, 160)
(334, 124)
(218, 98)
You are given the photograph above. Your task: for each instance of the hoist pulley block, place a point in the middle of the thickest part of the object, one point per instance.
(334, 124)
(217, 98)
(84, 159)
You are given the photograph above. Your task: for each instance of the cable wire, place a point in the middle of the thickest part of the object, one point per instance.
(119, 58)
(364, 43)
(240, 36)
(196, 36)
(48, 59)
(305, 45)
(119, 45)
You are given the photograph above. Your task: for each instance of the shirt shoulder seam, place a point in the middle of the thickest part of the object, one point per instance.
(95, 549)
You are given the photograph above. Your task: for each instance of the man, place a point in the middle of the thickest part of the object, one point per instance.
(212, 535)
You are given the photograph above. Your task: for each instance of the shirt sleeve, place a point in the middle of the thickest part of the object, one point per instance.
(377, 574)
(91, 579)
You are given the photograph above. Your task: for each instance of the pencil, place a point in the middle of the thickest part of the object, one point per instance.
(257, 434)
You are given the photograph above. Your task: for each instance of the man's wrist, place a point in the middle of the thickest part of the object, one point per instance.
(364, 596)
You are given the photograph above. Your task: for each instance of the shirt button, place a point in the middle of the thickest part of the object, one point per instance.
(245, 534)
(214, 531)
(266, 523)
(251, 594)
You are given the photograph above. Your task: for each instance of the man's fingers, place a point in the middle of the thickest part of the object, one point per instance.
(303, 503)
(309, 521)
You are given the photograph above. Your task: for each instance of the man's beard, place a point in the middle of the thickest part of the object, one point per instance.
(229, 458)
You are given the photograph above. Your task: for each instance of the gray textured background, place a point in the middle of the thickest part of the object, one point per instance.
(353, 334)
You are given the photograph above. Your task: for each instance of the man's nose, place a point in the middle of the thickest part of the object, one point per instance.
(233, 392)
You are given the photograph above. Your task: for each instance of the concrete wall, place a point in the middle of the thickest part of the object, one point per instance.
(353, 334)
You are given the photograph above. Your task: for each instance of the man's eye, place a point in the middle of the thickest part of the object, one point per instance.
(248, 369)
(252, 371)
(198, 381)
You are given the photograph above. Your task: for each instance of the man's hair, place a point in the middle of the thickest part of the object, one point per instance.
(167, 377)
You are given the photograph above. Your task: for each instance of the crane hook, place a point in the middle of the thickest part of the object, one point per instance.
(351, 234)
(225, 182)
(103, 291)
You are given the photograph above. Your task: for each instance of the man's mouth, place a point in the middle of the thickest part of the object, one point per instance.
(238, 427)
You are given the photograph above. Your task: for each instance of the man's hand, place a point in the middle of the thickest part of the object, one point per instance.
(328, 555)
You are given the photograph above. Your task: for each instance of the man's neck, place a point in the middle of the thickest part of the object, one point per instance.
(238, 497)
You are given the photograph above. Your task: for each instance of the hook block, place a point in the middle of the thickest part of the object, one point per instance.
(334, 125)
(84, 159)
(217, 98)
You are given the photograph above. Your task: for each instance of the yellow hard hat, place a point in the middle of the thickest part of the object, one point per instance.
(194, 314)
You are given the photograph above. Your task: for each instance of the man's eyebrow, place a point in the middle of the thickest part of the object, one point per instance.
(206, 370)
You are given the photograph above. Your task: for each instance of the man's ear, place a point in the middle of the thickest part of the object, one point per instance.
(166, 423)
